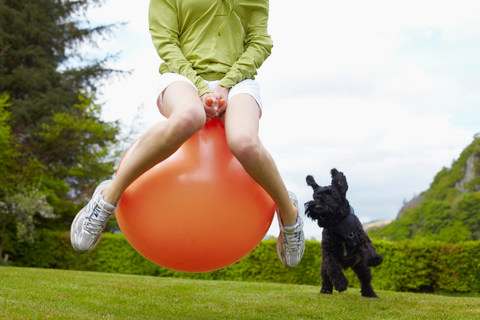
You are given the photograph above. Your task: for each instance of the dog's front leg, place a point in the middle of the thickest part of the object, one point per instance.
(327, 286)
(334, 272)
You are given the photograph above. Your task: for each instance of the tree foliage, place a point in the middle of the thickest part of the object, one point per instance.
(53, 141)
(17, 204)
(8, 149)
(20, 209)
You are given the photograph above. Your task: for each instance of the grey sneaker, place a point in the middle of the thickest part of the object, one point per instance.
(291, 240)
(89, 223)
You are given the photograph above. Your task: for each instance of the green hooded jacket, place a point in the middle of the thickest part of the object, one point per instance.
(224, 40)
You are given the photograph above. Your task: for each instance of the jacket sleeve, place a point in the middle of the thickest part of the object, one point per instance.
(163, 24)
(258, 46)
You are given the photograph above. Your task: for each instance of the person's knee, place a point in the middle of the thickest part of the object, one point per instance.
(189, 121)
(245, 147)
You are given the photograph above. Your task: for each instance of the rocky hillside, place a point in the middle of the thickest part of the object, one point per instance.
(449, 210)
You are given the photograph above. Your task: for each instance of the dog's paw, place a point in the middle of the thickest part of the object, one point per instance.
(369, 294)
(326, 289)
(341, 285)
(374, 260)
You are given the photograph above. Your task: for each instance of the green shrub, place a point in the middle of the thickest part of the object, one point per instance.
(418, 266)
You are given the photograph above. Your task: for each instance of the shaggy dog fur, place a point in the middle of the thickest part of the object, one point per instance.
(344, 242)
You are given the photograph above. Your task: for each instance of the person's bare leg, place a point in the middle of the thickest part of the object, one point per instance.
(241, 128)
(185, 115)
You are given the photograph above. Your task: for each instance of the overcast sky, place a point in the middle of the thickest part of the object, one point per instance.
(386, 91)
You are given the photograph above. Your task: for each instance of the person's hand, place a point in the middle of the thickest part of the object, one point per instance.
(221, 96)
(215, 103)
(207, 101)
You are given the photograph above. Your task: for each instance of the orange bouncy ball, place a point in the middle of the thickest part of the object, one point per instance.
(198, 210)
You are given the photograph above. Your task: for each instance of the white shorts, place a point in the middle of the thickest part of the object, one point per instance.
(247, 86)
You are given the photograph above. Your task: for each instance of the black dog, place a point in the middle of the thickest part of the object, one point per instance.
(344, 242)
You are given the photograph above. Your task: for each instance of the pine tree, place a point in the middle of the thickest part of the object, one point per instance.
(54, 119)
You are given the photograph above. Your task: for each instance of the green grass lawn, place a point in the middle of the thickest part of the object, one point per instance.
(27, 293)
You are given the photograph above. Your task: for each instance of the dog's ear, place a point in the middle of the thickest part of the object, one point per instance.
(339, 181)
(311, 182)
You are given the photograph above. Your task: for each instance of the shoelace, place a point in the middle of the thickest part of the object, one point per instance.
(97, 220)
(293, 241)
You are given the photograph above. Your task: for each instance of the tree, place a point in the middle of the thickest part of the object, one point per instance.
(54, 119)
(17, 205)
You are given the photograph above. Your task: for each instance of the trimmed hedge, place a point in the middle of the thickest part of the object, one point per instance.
(425, 266)
(408, 266)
